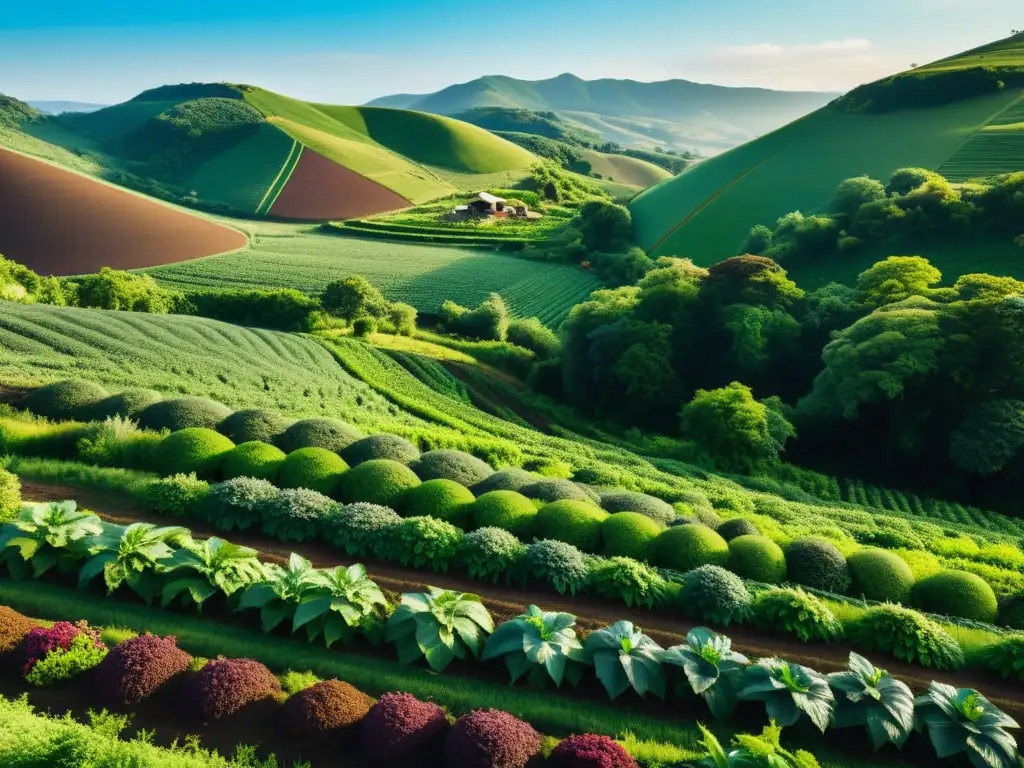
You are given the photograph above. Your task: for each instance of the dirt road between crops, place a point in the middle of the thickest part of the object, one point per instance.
(664, 626)
(57, 222)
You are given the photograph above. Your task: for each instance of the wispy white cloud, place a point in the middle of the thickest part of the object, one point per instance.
(852, 45)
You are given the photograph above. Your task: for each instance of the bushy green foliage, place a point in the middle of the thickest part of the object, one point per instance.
(117, 442)
(253, 459)
(443, 499)
(907, 635)
(126, 404)
(796, 612)
(957, 593)
(530, 333)
(737, 526)
(504, 480)
(487, 322)
(1011, 612)
(685, 547)
(362, 327)
(641, 503)
(757, 558)
(459, 466)
(629, 534)
(195, 449)
(922, 564)
(490, 553)
(880, 575)
(963, 724)
(330, 434)
(84, 653)
(555, 489)
(353, 297)
(253, 424)
(284, 309)
(69, 399)
(296, 514)
(378, 481)
(574, 522)
(816, 563)
(237, 504)
(507, 510)
(381, 446)
(10, 495)
(713, 594)
(318, 469)
(182, 413)
(556, 563)
(427, 541)
(1005, 657)
(625, 579)
(180, 495)
(363, 529)
(440, 626)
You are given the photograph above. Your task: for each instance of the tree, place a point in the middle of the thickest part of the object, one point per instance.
(853, 193)
(907, 180)
(402, 318)
(895, 279)
(488, 322)
(749, 280)
(116, 289)
(605, 226)
(989, 437)
(351, 297)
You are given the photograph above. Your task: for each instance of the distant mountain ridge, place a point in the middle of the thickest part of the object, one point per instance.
(675, 113)
(59, 107)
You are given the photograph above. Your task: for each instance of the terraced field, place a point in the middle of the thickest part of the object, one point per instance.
(997, 148)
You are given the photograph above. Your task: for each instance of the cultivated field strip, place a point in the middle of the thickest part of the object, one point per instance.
(995, 149)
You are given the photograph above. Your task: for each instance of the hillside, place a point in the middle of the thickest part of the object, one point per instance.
(706, 212)
(674, 113)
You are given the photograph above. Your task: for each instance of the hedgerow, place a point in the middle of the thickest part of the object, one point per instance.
(330, 434)
(957, 593)
(183, 413)
(574, 522)
(253, 424)
(69, 399)
(194, 449)
(379, 481)
(253, 459)
(711, 593)
(685, 547)
(880, 575)
(508, 510)
(757, 558)
(315, 468)
(443, 499)
(463, 468)
(381, 446)
(629, 534)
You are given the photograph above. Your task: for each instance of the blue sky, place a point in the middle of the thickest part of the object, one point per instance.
(347, 52)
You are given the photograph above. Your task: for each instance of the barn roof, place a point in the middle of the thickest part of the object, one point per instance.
(487, 197)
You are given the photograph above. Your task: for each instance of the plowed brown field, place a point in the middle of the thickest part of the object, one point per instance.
(60, 223)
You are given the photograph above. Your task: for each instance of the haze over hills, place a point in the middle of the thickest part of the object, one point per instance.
(678, 114)
(59, 107)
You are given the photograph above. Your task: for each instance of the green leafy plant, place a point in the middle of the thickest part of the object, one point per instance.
(764, 751)
(796, 612)
(132, 556)
(1005, 657)
(199, 570)
(490, 553)
(626, 658)
(439, 625)
(422, 541)
(636, 583)
(44, 536)
(84, 653)
(962, 721)
(714, 594)
(907, 635)
(236, 504)
(713, 669)
(342, 602)
(559, 564)
(177, 495)
(540, 644)
(282, 589)
(870, 697)
(788, 692)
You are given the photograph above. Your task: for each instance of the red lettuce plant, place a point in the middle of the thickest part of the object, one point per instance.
(41, 640)
(133, 670)
(400, 726)
(590, 751)
(489, 738)
(224, 686)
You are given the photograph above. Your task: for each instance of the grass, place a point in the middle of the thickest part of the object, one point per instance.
(625, 170)
(997, 148)
(1008, 52)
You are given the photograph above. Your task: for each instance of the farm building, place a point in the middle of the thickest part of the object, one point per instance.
(486, 204)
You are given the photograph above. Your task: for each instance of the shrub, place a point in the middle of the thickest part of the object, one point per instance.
(195, 449)
(461, 467)
(590, 751)
(63, 400)
(816, 563)
(957, 593)
(629, 534)
(555, 489)
(13, 629)
(253, 424)
(181, 495)
(390, 447)
(907, 635)
(488, 738)
(796, 612)
(443, 499)
(922, 564)
(317, 469)
(1011, 612)
(401, 727)
(757, 558)
(324, 708)
(236, 504)
(296, 514)
(183, 413)
(635, 583)
(225, 686)
(641, 503)
(363, 327)
(379, 481)
(574, 522)
(490, 553)
(707, 516)
(10, 495)
(127, 404)
(253, 459)
(685, 547)
(880, 575)
(83, 653)
(737, 526)
(508, 510)
(556, 563)
(331, 434)
(363, 529)
(133, 670)
(713, 594)
(118, 442)
(504, 480)
(422, 541)
(1005, 657)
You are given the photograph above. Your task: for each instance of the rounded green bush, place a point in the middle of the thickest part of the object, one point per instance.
(880, 575)
(195, 449)
(574, 522)
(513, 479)
(736, 527)
(443, 499)
(1011, 612)
(794, 611)
(816, 563)
(507, 510)
(641, 503)
(68, 399)
(907, 635)
(685, 547)
(711, 593)
(127, 404)
(378, 481)
(183, 413)
(253, 424)
(549, 489)
(463, 468)
(957, 593)
(373, 447)
(331, 434)
(629, 534)
(318, 469)
(253, 459)
(757, 558)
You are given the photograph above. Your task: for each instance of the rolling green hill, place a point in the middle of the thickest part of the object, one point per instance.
(706, 212)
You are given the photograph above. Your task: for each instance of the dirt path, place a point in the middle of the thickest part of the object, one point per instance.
(664, 626)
